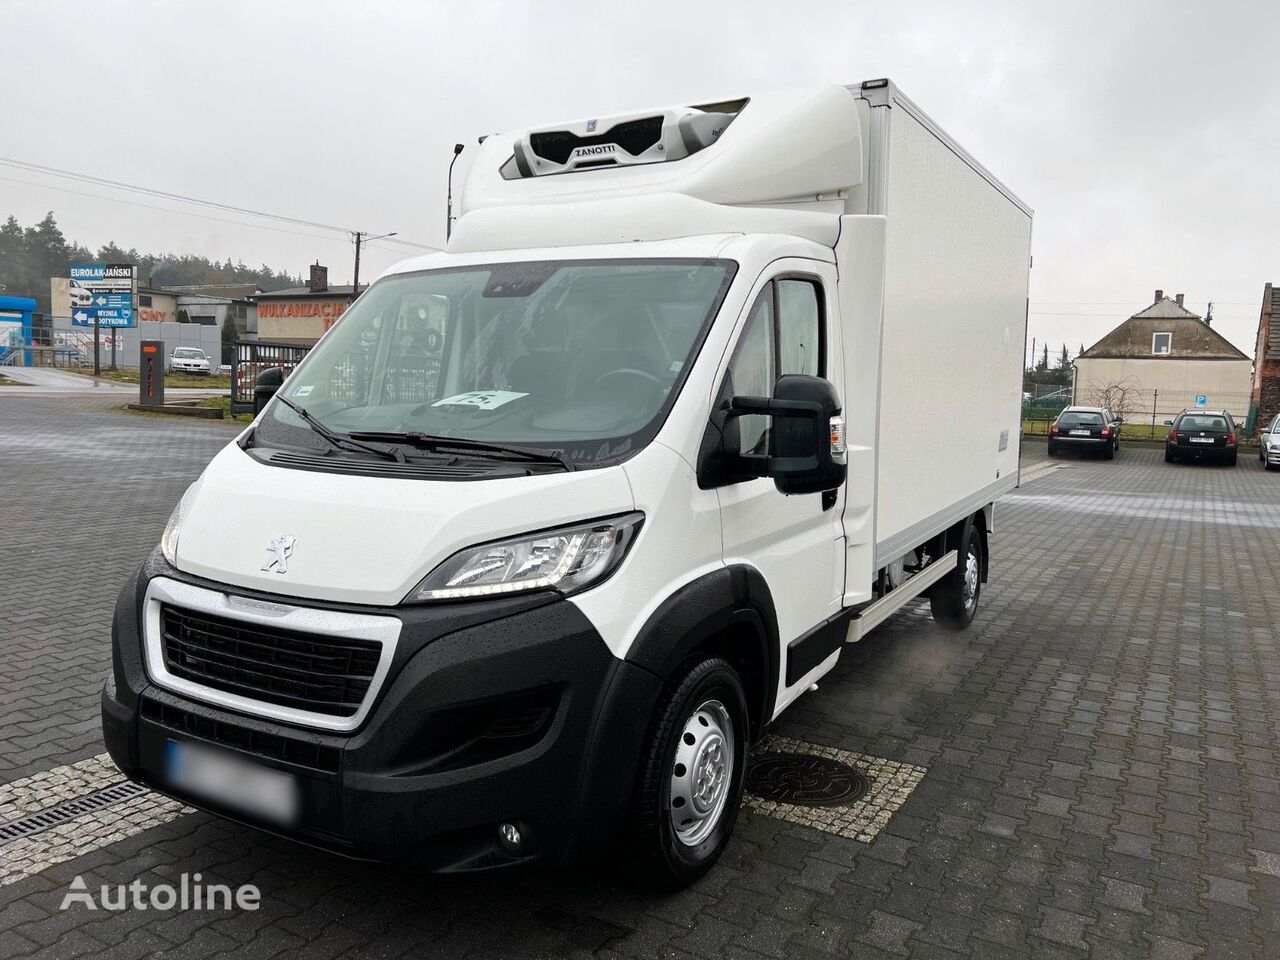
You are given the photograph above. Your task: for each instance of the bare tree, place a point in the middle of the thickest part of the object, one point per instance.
(1119, 396)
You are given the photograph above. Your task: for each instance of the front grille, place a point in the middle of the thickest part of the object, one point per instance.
(300, 752)
(303, 671)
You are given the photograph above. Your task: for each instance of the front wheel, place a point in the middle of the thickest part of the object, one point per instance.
(690, 781)
(954, 600)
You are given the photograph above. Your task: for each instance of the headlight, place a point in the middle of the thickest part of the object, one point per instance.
(169, 539)
(569, 559)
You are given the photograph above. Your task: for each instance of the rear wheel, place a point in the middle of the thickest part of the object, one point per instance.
(1109, 453)
(690, 781)
(1169, 457)
(1231, 459)
(1053, 451)
(954, 600)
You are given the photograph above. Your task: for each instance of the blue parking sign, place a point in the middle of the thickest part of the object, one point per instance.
(1202, 400)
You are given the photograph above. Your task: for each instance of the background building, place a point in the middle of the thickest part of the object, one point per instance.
(302, 314)
(1161, 360)
(1266, 368)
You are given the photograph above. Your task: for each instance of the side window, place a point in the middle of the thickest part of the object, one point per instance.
(752, 372)
(799, 327)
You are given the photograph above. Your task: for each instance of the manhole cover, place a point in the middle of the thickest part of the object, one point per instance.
(804, 779)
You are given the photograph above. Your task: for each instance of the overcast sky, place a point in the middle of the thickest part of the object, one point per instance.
(1145, 135)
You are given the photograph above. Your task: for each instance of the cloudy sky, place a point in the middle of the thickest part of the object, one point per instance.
(1145, 135)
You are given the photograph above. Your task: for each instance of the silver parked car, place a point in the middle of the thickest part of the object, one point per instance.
(1269, 449)
(189, 360)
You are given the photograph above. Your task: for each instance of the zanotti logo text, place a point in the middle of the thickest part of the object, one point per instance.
(596, 150)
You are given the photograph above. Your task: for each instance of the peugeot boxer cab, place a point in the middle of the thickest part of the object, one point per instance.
(552, 525)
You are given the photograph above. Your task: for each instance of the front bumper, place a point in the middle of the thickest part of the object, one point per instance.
(509, 710)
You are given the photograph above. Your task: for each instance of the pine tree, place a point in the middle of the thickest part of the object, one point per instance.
(15, 269)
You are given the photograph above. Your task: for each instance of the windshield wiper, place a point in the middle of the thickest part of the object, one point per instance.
(428, 441)
(338, 440)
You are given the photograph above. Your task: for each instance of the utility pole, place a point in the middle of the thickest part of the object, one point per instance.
(361, 237)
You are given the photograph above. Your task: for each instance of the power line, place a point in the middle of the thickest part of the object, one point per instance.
(180, 213)
(184, 198)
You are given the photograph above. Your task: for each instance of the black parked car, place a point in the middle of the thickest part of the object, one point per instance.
(1198, 435)
(1085, 428)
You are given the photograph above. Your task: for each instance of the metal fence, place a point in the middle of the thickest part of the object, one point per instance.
(250, 358)
(1146, 413)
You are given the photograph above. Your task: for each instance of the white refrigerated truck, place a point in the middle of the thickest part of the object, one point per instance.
(552, 525)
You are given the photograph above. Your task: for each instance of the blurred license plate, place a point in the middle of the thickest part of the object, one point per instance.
(1201, 439)
(1080, 433)
(228, 781)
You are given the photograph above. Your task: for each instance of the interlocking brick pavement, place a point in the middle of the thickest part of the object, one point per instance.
(1103, 766)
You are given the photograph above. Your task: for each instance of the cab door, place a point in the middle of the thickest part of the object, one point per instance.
(795, 542)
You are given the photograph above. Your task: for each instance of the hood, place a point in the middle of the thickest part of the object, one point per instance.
(367, 540)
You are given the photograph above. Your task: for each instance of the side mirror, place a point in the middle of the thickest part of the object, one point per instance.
(807, 452)
(1168, 423)
(1119, 419)
(265, 387)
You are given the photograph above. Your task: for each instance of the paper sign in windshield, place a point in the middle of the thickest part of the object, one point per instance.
(480, 399)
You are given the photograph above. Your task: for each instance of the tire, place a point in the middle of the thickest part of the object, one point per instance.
(1110, 453)
(954, 601)
(1231, 460)
(1169, 457)
(660, 849)
(1053, 451)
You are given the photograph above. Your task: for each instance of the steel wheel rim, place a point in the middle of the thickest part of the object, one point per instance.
(971, 580)
(701, 773)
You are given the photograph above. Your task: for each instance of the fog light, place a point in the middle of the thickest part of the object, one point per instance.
(509, 837)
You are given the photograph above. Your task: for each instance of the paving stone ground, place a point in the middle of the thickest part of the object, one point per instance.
(1102, 746)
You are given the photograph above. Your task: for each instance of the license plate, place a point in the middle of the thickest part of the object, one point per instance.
(1081, 433)
(1201, 439)
(228, 781)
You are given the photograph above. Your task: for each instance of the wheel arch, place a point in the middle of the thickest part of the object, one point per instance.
(727, 613)
(957, 535)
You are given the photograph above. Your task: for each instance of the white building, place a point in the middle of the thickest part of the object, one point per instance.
(1164, 359)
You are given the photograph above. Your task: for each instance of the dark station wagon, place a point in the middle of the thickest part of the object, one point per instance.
(1201, 435)
(1085, 428)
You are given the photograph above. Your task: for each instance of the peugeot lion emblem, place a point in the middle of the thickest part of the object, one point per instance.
(279, 551)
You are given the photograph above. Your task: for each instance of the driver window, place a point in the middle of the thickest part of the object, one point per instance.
(799, 327)
(752, 372)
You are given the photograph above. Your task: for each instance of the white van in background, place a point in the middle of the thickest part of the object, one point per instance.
(550, 527)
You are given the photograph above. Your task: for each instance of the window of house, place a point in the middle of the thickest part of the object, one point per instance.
(144, 299)
(1161, 343)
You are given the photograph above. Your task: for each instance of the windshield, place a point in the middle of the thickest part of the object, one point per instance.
(1079, 418)
(188, 353)
(583, 358)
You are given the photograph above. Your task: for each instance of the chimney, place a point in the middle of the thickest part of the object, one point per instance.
(1159, 296)
(319, 281)
(1179, 299)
